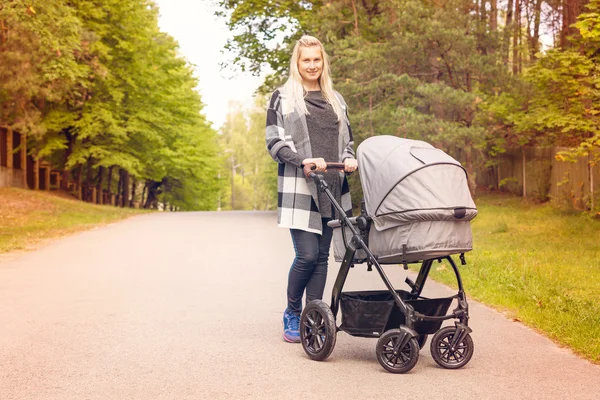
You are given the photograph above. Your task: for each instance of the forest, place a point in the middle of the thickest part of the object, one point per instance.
(475, 78)
(106, 98)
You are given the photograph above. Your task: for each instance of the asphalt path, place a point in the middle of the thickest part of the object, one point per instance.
(189, 306)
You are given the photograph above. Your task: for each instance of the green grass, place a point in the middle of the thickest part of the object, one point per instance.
(28, 218)
(538, 264)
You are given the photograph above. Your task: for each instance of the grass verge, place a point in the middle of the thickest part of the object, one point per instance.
(540, 266)
(28, 217)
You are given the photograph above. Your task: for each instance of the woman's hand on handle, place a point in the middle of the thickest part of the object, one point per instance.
(319, 163)
(350, 165)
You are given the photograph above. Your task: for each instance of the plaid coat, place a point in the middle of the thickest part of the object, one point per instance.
(297, 195)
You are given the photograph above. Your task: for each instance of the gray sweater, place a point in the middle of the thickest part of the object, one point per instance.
(323, 132)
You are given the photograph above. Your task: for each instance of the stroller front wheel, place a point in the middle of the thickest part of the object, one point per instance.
(317, 330)
(394, 359)
(447, 356)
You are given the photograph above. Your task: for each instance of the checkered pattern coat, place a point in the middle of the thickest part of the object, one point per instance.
(297, 195)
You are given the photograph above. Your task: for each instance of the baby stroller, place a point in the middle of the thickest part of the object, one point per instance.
(416, 209)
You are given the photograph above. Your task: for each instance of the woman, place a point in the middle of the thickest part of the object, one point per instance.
(307, 124)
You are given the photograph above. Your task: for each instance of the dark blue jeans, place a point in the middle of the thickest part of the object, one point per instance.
(309, 269)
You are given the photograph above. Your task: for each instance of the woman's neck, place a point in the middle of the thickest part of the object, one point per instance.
(311, 87)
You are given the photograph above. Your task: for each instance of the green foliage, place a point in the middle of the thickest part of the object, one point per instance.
(415, 69)
(38, 47)
(558, 104)
(440, 71)
(249, 171)
(103, 87)
(263, 30)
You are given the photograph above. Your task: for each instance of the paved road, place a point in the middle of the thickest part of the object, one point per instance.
(188, 306)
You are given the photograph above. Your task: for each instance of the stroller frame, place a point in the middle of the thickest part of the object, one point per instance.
(406, 332)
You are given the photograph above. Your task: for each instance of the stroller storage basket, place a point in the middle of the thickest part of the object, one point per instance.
(370, 313)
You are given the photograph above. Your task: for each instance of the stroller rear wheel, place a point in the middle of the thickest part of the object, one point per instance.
(447, 356)
(394, 359)
(317, 330)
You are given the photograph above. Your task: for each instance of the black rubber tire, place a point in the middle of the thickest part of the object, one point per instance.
(444, 356)
(317, 317)
(421, 340)
(399, 363)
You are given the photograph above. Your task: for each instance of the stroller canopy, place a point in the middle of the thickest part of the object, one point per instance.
(407, 180)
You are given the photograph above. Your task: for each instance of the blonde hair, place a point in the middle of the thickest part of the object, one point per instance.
(294, 90)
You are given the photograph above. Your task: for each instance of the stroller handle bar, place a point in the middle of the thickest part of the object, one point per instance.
(309, 168)
(332, 165)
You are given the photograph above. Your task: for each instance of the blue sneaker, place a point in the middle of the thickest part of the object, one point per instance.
(291, 327)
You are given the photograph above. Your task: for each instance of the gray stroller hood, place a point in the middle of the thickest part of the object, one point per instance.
(418, 199)
(407, 180)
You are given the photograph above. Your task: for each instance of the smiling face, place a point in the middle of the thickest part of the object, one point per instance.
(310, 65)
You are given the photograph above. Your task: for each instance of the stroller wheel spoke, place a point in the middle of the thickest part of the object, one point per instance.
(455, 357)
(319, 341)
(445, 355)
(404, 357)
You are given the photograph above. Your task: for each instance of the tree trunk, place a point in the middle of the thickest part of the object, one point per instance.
(232, 181)
(535, 39)
(125, 188)
(143, 201)
(516, 37)
(469, 165)
(133, 189)
(507, 30)
(483, 13)
(571, 10)
(79, 181)
(109, 185)
(119, 189)
(498, 177)
(66, 174)
(88, 181)
(355, 17)
(100, 186)
(493, 15)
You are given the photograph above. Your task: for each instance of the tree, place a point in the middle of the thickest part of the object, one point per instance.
(38, 47)
(246, 164)
(111, 101)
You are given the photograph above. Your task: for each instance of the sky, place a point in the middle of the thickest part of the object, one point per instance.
(202, 37)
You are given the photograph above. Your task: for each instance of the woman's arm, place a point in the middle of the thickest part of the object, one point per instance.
(275, 134)
(287, 155)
